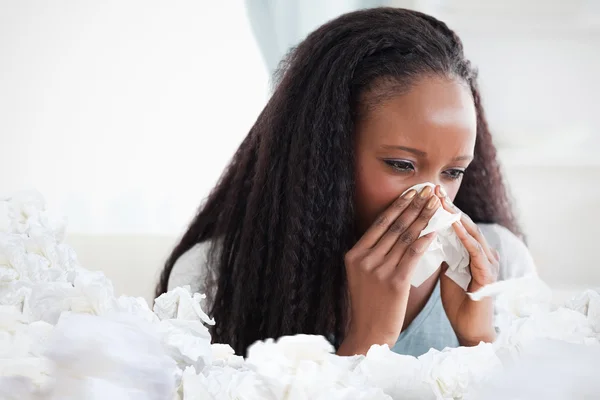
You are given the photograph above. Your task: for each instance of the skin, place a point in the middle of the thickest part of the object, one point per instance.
(425, 135)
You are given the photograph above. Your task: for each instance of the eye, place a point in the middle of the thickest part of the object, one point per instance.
(454, 174)
(400, 165)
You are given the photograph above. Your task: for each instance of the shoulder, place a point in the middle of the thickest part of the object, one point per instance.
(515, 259)
(191, 268)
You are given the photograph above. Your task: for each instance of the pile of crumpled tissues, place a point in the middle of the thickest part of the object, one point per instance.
(64, 334)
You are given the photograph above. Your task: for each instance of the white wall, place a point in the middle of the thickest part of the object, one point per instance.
(123, 114)
(559, 208)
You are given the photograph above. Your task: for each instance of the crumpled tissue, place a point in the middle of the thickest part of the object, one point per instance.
(542, 373)
(120, 358)
(446, 247)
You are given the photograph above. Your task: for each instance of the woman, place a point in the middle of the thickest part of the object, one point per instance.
(307, 231)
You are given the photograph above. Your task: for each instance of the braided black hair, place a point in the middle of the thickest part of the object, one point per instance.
(283, 211)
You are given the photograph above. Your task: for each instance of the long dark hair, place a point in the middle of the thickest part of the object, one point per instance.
(283, 210)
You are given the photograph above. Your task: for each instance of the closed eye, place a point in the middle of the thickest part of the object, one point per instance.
(400, 165)
(454, 174)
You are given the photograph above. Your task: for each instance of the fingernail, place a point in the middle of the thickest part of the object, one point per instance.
(426, 192)
(496, 254)
(432, 202)
(443, 192)
(409, 195)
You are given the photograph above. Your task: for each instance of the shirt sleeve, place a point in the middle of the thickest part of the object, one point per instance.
(515, 259)
(191, 269)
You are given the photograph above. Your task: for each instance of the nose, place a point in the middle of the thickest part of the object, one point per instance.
(435, 179)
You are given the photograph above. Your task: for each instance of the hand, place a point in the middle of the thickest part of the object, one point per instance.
(472, 321)
(379, 269)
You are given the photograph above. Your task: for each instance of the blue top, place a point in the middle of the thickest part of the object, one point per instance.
(430, 329)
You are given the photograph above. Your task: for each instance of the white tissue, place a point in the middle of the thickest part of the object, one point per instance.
(446, 247)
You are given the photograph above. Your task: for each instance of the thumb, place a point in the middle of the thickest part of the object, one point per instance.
(445, 267)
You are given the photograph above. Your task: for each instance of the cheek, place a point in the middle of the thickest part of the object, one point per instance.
(375, 191)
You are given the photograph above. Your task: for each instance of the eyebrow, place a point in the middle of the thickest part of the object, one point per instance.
(421, 153)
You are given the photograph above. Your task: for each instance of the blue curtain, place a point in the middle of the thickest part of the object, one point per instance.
(279, 25)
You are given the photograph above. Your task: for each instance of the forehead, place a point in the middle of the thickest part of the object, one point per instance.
(435, 111)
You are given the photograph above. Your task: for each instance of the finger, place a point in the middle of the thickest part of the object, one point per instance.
(413, 232)
(474, 248)
(474, 230)
(385, 220)
(483, 270)
(446, 201)
(404, 269)
(407, 228)
(467, 222)
(440, 192)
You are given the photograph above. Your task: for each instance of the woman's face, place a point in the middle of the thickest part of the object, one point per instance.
(425, 135)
